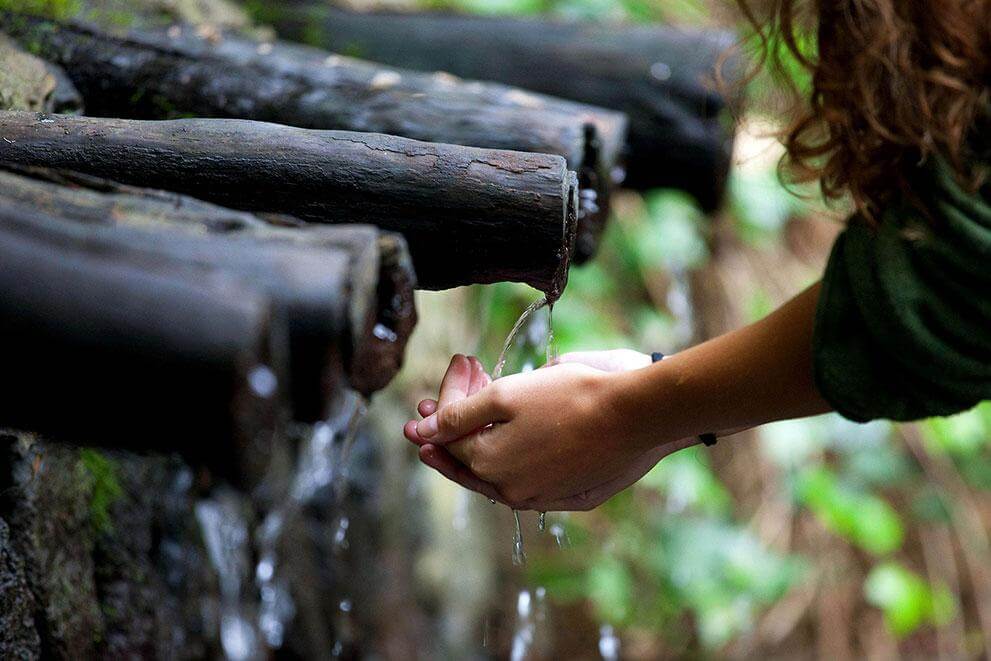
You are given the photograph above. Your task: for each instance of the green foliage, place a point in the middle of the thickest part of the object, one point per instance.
(675, 556)
(908, 602)
(861, 518)
(106, 488)
(60, 9)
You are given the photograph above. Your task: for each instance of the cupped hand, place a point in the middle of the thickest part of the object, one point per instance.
(548, 439)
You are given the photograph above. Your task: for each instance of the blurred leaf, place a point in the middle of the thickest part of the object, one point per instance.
(610, 587)
(688, 483)
(761, 204)
(965, 435)
(861, 518)
(675, 238)
(907, 600)
(723, 573)
(883, 466)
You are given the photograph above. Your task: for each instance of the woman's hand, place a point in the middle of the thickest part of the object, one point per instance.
(546, 439)
(465, 376)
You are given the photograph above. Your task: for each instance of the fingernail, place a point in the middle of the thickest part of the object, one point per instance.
(427, 428)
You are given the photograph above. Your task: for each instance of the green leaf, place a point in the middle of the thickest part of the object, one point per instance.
(674, 239)
(859, 517)
(964, 435)
(908, 602)
(688, 483)
(610, 587)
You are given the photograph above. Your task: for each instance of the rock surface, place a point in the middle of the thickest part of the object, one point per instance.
(26, 83)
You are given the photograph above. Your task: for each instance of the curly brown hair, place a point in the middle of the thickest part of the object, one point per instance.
(894, 84)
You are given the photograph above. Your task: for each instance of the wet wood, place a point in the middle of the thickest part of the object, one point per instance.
(181, 72)
(469, 215)
(104, 349)
(661, 77)
(346, 292)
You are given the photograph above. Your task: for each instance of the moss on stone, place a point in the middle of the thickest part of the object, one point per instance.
(106, 490)
(49, 8)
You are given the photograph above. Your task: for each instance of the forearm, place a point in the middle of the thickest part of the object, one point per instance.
(751, 376)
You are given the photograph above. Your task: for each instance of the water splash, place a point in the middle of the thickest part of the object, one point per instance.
(609, 644)
(321, 463)
(222, 523)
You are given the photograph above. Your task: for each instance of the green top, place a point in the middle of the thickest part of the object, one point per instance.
(903, 329)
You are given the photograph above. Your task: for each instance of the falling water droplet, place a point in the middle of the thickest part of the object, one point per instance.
(560, 535)
(519, 555)
(541, 521)
(492, 500)
(345, 605)
(341, 534)
(523, 637)
(263, 381)
(660, 71)
(384, 333)
(460, 519)
(608, 643)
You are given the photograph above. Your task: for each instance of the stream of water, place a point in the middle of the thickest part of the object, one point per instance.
(535, 334)
(254, 615)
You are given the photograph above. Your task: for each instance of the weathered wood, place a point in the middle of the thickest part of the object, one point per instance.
(469, 215)
(101, 348)
(661, 77)
(161, 75)
(348, 299)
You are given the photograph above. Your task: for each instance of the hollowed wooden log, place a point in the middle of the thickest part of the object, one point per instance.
(161, 75)
(469, 215)
(346, 292)
(663, 78)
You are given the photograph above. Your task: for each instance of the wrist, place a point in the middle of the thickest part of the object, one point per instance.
(637, 406)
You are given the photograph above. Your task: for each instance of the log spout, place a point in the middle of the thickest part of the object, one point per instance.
(346, 291)
(469, 215)
(181, 72)
(663, 78)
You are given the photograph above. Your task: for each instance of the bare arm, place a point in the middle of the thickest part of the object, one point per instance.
(570, 434)
(748, 377)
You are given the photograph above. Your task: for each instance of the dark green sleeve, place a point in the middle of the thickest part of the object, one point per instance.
(903, 329)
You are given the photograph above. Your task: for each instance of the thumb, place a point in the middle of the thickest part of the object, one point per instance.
(464, 416)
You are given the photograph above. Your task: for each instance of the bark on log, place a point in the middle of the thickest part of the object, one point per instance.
(137, 353)
(161, 75)
(356, 311)
(661, 77)
(469, 215)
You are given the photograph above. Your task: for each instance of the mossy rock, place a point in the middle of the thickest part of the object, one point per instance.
(25, 81)
(151, 13)
(47, 505)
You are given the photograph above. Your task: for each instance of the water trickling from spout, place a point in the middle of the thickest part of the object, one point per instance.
(541, 521)
(321, 463)
(225, 534)
(501, 362)
(547, 335)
